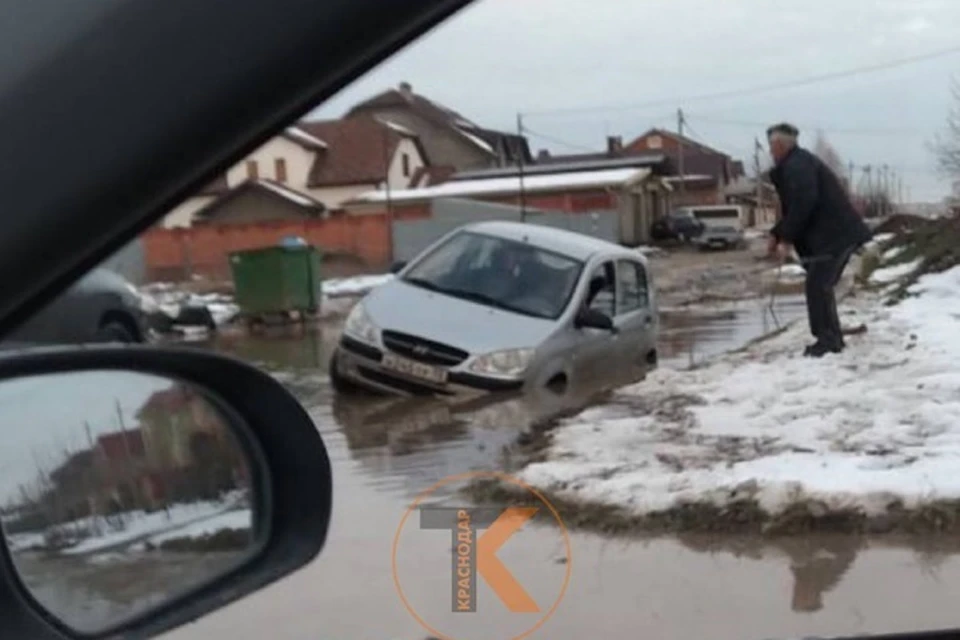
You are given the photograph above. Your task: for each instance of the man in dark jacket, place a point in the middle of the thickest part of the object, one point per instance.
(821, 224)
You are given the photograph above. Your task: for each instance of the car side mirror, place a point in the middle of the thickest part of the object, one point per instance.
(398, 266)
(161, 468)
(593, 319)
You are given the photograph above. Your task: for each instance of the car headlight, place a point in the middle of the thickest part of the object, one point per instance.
(146, 303)
(360, 326)
(508, 363)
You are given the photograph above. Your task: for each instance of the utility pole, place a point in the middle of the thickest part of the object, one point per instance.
(885, 181)
(680, 122)
(851, 168)
(385, 143)
(757, 149)
(523, 198)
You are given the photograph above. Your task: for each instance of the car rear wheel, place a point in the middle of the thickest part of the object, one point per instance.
(114, 331)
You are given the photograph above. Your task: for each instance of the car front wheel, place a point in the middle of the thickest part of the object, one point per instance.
(115, 332)
(337, 381)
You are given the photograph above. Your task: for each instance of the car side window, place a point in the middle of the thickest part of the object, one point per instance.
(602, 291)
(631, 287)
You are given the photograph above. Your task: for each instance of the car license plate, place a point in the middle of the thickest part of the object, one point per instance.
(414, 369)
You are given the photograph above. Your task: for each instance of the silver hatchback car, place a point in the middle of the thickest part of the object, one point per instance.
(502, 306)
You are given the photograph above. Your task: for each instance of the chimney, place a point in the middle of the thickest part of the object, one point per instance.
(614, 144)
(543, 154)
(406, 90)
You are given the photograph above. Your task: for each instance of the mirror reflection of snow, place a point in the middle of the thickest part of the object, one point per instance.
(881, 421)
(194, 520)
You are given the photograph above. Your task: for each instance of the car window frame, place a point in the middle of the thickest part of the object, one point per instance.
(640, 272)
(601, 263)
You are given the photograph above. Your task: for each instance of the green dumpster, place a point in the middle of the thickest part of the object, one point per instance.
(276, 279)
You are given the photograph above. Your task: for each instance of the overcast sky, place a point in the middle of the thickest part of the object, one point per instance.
(499, 57)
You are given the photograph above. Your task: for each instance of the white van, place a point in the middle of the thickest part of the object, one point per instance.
(723, 225)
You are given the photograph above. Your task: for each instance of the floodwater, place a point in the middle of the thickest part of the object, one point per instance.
(385, 453)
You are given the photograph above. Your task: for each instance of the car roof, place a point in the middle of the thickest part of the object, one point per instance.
(569, 243)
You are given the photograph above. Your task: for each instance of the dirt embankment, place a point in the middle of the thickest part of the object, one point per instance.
(740, 517)
(932, 244)
(743, 516)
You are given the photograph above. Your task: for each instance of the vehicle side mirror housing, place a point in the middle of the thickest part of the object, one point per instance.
(593, 319)
(398, 266)
(152, 457)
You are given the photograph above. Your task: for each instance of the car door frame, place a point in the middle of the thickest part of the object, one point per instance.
(637, 326)
(592, 347)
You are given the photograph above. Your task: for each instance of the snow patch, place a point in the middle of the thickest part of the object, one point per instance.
(887, 275)
(877, 423)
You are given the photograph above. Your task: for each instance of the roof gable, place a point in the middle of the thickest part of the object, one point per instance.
(486, 140)
(358, 150)
(308, 205)
(687, 142)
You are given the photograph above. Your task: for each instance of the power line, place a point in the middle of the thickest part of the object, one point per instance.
(828, 129)
(559, 141)
(758, 89)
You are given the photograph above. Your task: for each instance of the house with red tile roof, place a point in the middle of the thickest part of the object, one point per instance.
(450, 138)
(309, 169)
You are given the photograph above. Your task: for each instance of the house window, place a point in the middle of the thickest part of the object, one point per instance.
(280, 169)
(253, 171)
(654, 142)
(405, 160)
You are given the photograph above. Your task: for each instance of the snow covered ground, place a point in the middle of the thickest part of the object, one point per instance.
(877, 424)
(183, 520)
(171, 299)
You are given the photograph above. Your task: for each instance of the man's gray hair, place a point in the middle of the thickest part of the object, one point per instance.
(783, 131)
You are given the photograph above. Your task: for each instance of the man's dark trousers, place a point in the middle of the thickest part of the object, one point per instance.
(823, 275)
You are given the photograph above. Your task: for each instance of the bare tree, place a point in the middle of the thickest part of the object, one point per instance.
(946, 144)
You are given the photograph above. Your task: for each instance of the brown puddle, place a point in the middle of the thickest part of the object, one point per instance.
(385, 452)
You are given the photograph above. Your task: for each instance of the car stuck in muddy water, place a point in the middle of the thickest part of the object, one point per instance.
(502, 306)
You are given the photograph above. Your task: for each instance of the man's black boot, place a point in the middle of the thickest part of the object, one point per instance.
(820, 349)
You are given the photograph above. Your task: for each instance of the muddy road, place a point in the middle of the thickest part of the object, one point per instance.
(387, 452)
(384, 454)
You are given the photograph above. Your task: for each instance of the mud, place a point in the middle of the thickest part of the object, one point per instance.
(666, 580)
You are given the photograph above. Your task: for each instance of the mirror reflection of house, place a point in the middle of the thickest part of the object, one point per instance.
(190, 453)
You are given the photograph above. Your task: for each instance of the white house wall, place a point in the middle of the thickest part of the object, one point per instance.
(298, 160)
(408, 148)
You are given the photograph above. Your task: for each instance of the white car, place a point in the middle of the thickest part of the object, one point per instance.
(500, 306)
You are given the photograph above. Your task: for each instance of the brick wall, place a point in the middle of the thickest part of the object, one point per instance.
(176, 254)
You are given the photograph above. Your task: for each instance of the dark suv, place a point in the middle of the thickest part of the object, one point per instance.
(677, 226)
(101, 307)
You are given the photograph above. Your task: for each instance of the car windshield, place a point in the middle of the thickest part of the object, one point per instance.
(501, 273)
